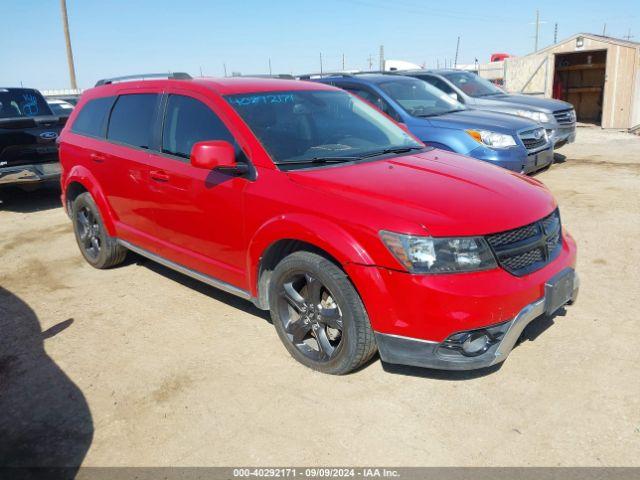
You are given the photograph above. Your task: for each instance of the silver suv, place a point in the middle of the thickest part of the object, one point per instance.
(556, 116)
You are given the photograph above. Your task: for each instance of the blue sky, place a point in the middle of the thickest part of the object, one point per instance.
(120, 37)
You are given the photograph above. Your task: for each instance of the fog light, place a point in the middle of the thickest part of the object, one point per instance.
(476, 343)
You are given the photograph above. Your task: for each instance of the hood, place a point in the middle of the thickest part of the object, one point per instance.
(445, 193)
(525, 101)
(482, 120)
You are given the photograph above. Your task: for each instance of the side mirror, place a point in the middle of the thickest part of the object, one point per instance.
(217, 155)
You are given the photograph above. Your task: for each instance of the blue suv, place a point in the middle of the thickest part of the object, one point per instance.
(438, 120)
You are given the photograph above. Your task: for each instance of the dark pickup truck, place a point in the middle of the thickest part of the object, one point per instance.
(28, 133)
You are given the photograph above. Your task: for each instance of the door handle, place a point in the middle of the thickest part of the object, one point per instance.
(98, 158)
(159, 175)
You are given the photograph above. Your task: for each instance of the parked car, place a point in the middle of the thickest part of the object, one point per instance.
(61, 108)
(314, 205)
(438, 120)
(28, 133)
(557, 117)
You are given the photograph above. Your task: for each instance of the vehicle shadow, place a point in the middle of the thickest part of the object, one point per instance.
(45, 420)
(530, 333)
(559, 158)
(17, 200)
(215, 293)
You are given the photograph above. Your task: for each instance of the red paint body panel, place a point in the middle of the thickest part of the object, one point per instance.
(221, 226)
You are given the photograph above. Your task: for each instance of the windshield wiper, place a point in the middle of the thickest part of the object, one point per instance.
(391, 150)
(320, 160)
(440, 113)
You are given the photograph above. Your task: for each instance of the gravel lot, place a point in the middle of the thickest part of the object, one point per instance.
(140, 366)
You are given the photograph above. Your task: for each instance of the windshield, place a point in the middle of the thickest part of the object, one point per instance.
(472, 84)
(62, 109)
(419, 98)
(302, 126)
(22, 102)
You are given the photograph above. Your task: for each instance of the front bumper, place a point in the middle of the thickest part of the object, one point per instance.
(516, 159)
(561, 134)
(29, 174)
(424, 353)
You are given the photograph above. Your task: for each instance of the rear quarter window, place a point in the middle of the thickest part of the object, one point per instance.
(91, 119)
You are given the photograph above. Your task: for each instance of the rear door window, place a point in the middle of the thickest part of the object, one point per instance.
(91, 119)
(188, 121)
(132, 119)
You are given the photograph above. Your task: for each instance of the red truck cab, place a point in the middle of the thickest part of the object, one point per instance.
(310, 203)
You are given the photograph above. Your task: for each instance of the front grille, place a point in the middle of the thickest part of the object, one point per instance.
(534, 139)
(526, 249)
(565, 117)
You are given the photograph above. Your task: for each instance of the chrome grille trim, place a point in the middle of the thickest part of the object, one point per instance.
(534, 140)
(565, 117)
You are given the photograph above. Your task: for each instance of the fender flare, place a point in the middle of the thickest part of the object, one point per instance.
(82, 175)
(317, 231)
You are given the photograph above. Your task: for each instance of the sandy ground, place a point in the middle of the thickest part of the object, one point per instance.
(148, 367)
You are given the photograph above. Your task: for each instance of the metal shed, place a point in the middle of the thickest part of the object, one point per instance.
(599, 75)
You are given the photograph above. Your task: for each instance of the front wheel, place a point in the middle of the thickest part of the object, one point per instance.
(318, 314)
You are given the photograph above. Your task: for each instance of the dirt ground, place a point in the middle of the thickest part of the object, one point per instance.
(146, 367)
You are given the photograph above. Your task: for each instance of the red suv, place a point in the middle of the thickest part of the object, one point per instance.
(314, 205)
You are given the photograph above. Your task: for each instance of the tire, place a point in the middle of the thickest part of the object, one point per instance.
(97, 247)
(318, 314)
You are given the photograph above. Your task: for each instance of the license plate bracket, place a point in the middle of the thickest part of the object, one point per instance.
(559, 290)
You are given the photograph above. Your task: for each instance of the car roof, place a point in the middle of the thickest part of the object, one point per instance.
(437, 71)
(221, 86)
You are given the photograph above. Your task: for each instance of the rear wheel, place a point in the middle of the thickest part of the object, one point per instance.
(319, 315)
(97, 247)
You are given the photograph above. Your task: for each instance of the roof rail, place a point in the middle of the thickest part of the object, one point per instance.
(142, 76)
(378, 72)
(309, 76)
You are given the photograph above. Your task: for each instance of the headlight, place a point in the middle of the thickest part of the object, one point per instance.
(492, 139)
(439, 255)
(535, 116)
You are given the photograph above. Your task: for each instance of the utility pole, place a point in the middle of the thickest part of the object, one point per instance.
(604, 30)
(269, 66)
(628, 36)
(201, 72)
(382, 58)
(537, 29)
(343, 62)
(555, 33)
(370, 60)
(65, 25)
(455, 62)
(320, 63)
(224, 66)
